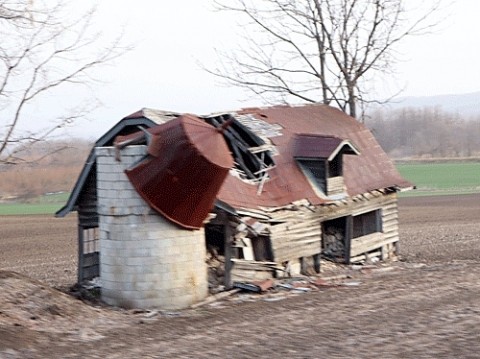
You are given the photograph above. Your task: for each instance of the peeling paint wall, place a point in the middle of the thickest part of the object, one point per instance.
(145, 260)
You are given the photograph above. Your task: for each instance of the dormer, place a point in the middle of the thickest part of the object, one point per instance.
(321, 159)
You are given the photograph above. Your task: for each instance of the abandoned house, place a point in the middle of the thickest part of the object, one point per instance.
(168, 201)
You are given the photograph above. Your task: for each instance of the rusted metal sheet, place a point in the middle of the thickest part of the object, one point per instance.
(188, 163)
(320, 146)
(280, 125)
(369, 171)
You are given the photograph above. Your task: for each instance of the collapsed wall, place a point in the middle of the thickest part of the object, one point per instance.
(145, 260)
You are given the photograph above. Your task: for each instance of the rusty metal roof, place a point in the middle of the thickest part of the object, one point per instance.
(188, 163)
(320, 146)
(370, 170)
(280, 127)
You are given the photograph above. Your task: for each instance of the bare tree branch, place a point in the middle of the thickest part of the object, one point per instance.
(46, 49)
(319, 50)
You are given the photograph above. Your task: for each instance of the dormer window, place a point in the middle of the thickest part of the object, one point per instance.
(321, 160)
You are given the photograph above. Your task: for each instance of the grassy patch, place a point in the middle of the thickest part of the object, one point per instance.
(47, 204)
(442, 178)
(29, 208)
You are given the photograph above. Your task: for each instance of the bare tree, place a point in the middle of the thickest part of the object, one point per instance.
(426, 132)
(318, 50)
(44, 49)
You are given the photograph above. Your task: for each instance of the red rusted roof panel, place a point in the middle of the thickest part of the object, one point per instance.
(188, 164)
(370, 170)
(174, 182)
(319, 146)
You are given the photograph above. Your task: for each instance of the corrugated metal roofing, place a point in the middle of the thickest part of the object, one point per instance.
(371, 170)
(280, 125)
(188, 163)
(319, 146)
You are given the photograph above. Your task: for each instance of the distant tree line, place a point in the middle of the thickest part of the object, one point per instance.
(53, 166)
(49, 166)
(425, 133)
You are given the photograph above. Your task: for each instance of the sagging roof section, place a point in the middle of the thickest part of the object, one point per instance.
(369, 171)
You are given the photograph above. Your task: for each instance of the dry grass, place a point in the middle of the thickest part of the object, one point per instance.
(55, 172)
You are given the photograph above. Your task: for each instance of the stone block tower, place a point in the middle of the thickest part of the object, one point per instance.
(146, 261)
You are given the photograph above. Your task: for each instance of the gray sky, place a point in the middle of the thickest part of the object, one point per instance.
(172, 37)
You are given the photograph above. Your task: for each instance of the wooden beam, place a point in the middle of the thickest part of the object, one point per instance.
(316, 262)
(348, 237)
(80, 276)
(303, 265)
(228, 242)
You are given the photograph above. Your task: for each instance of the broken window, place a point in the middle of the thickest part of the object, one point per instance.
(336, 231)
(252, 156)
(367, 223)
(333, 238)
(89, 253)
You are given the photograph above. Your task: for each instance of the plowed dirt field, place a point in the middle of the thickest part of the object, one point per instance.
(425, 306)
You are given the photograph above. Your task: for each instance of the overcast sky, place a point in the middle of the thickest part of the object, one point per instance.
(171, 38)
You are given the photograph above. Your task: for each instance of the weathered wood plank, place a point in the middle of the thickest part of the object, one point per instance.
(247, 262)
(295, 252)
(291, 236)
(91, 259)
(389, 230)
(364, 257)
(354, 208)
(290, 226)
(293, 244)
(300, 234)
(390, 217)
(348, 238)
(283, 239)
(335, 185)
(374, 243)
(228, 243)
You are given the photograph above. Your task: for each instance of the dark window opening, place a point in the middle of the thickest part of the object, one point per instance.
(262, 248)
(333, 238)
(367, 223)
(316, 171)
(251, 161)
(329, 152)
(215, 238)
(335, 167)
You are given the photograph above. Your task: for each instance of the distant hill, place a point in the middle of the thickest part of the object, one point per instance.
(465, 104)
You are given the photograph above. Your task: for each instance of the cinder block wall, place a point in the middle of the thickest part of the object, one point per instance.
(145, 260)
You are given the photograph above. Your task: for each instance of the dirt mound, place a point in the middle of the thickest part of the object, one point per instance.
(34, 305)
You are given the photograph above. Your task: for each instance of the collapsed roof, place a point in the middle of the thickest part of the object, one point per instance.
(264, 144)
(281, 126)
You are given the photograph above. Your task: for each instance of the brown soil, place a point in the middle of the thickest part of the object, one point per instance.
(425, 306)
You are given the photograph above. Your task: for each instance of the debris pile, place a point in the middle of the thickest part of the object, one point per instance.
(32, 304)
(334, 243)
(216, 271)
